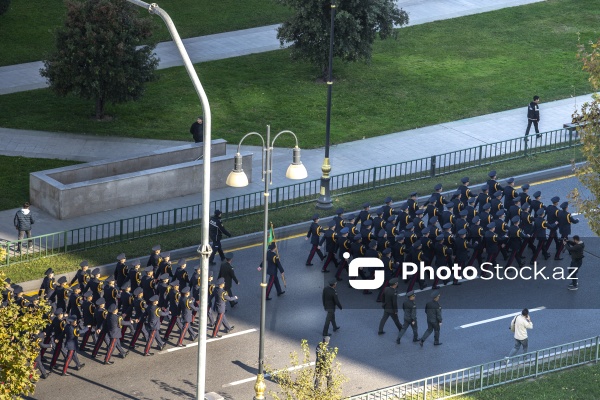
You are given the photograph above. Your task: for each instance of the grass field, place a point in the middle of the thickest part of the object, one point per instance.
(14, 178)
(27, 29)
(433, 73)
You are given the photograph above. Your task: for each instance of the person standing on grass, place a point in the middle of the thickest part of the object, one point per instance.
(197, 130)
(533, 116)
(23, 221)
(575, 248)
(519, 326)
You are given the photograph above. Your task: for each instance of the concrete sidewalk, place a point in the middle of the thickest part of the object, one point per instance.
(439, 139)
(23, 77)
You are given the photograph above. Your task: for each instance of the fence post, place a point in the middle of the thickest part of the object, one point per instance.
(120, 230)
(537, 364)
(526, 145)
(570, 137)
(374, 176)
(7, 258)
(65, 240)
(481, 377)
(425, 389)
(174, 219)
(432, 172)
(597, 348)
(480, 154)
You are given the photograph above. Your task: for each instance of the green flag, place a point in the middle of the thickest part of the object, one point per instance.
(270, 235)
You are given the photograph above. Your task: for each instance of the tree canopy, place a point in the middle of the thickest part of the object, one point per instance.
(589, 119)
(97, 55)
(357, 24)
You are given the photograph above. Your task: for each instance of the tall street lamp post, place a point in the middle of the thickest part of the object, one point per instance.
(324, 201)
(237, 178)
(204, 248)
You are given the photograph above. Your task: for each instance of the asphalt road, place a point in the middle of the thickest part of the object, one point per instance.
(369, 361)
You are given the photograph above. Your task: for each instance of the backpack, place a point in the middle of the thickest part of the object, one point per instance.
(512, 324)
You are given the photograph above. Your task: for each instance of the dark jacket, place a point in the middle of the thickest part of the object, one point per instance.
(575, 249)
(226, 272)
(313, 233)
(433, 311)
(23, 222)
(410, 310)
(152, 315)
(533, 111)
(330, 299)
(216, 229)
(186, 308)
(221, 298)
(72, 334)
(390, 300)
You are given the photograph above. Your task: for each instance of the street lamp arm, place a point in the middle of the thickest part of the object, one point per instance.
(276, 136)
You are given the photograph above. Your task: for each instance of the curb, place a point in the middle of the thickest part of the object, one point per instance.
(296, 229)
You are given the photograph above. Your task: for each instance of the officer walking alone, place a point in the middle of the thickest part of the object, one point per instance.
(330, 302)
(434, 319)
(215, 232)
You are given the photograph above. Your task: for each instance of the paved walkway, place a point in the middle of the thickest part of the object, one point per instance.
(439, 139)
(22, 77)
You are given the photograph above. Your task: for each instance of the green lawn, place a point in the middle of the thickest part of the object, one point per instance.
(27, 28)
(580, 383)
(14, 178)
(433, 73)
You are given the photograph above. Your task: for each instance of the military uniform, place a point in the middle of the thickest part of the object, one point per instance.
(433, 310)
(273, 265)
(314, 231)
(121, 270)
(390, 307)
(220, 306)
(227, 272)
(330, 302)
(186, 309)
(409, 307)
(215, 232)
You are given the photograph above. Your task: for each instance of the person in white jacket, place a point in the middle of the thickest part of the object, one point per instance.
(521, 323)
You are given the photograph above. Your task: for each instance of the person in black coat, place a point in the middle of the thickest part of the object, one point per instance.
(75, 301)
(221, 298)
(182, 275)
(410, 317)
(111, 294)
(114, 324)
(390, 306)
(173, 298)
(134, 274)
(148, 283)
(226, 272)
(82, 276)
(215, 233)
(100, 315)
(95, 285)
(41, 341)
(154, 259)
(330, 302)
(23, 221)
(533, 116)
(433, 310)
(72, 334)
(47, 286)
(153, 314)
(87, 310)
(186, 309)
(197, 130)
(60, 296)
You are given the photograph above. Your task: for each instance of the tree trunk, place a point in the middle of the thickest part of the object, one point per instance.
(99, 108)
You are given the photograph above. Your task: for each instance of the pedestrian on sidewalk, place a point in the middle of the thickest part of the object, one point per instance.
(533, 116)
(519, 326)
(197, 130)
(575, 248)
(23, 221)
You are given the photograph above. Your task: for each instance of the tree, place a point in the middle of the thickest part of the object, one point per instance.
(18, 346)
(96, 56)
(298, 382)
(589, 117)
(357, 24)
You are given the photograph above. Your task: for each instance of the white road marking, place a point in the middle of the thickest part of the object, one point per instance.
(194, 344)
(253, 379)
(485, 321)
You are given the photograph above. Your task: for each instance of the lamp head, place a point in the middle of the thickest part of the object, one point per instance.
(296, 170)
(237, 177)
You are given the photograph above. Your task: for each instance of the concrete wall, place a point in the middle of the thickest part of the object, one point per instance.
(64, 194)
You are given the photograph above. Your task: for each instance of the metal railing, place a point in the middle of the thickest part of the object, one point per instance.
(285, 196)
(491, 374)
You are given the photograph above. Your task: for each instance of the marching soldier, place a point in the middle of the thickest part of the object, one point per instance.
(75, 301)
(153, 315)
(173, 297)
(433, 310)
(540, 225)
(148, 283)
(364, 215)
(330, 302)
(509, 192)
(409, 307)
(165, 265)
(552, 218)
(135, 275)
(339, 220)
(465, 192)
(516, 236)
(72, 334)
(82, 277)
(329, 238)
(313, 234)
(226, 272)
(111, 294)
(390, 307)
(483, 198)
(121, 270)
(60, 296)
(438, 199)
(524, 195)
(114, 324)
(88, 310)
(187, 307)
(139, 310)
(182, 275)
(47, 286)
(154, 259)
(492, 184)
(412, 204)
(220, 306)
(100, 315)
(345, 246)
(565, 219)
(41, 341)
(378, 222)
(536, 203)
(273, 265)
